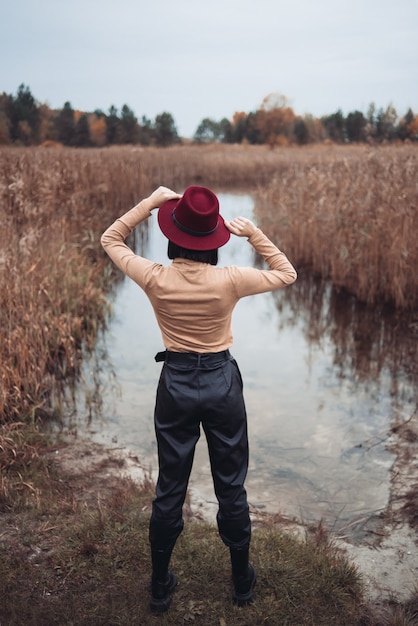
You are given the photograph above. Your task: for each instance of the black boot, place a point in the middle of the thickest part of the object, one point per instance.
(243, 576)
(163, 581)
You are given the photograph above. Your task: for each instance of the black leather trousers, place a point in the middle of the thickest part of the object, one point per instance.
(193, 390)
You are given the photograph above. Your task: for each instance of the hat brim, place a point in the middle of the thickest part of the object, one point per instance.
(217, 239)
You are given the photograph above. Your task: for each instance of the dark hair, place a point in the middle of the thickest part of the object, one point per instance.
(203, 256)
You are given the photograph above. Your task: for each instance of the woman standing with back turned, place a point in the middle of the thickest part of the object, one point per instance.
(200, 382)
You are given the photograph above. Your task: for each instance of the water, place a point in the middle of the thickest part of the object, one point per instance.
(320, 396)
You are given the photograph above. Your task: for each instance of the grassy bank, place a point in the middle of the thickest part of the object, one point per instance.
(75, 551)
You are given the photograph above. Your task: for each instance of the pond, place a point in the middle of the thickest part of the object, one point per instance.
(321, 384)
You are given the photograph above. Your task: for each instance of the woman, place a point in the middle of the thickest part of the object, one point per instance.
(200, 382)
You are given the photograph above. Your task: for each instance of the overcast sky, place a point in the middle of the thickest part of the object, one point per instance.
(197, 59)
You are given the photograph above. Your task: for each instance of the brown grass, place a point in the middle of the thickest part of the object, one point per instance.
(352, 219)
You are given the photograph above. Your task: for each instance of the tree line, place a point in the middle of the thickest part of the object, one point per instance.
(25, 121)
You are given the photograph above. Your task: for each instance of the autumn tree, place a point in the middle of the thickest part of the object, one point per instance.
(406, 125)
(97, 128)
(413, 129)
(238, 129)
(275, 119)
(315, 128)
(47, 129)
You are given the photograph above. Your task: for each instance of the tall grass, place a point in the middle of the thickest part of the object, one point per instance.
(51, 299)
(352, 219)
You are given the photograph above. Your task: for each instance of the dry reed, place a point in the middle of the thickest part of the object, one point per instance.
(352, 219)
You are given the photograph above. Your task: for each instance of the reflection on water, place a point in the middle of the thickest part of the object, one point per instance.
(323, 378)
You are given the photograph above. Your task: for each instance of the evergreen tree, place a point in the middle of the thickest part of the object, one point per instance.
(5, 106)
(24, 116)
(225, 129)
(334, 125)
(165, 130)
(112, 126)
(301, 131)
(253, 133)
(65, 125)
(128, 125)
(145, 132)
(82, 132)
(355, 126)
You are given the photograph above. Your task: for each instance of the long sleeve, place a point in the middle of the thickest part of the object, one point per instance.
(249, 281)
(113, 239)
(275, 258)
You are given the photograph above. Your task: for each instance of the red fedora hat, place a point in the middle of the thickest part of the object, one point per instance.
(193, 221)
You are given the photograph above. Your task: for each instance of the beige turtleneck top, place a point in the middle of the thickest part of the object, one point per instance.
(193, 302)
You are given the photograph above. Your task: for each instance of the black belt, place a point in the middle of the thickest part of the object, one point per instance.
(193, 358)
